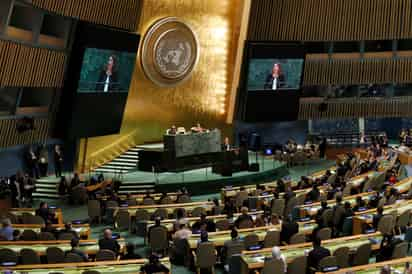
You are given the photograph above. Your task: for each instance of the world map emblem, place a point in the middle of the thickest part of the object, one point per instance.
(170, 52)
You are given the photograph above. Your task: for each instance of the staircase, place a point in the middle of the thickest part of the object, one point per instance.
(124, 163)
(46, 188)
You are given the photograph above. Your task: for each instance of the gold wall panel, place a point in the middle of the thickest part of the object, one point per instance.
(355, 108)
(150, 109)
(116, 13)
(348, 71)
(9, 136)
(24, 66)
(330, 20)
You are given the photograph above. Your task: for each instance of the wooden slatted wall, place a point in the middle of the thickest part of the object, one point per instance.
(10, 136)
(23, 66)
(356, 107)
(356, 71)
(330, 20)
(116, 13)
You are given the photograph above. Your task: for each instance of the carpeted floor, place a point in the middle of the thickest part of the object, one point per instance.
(71, 212)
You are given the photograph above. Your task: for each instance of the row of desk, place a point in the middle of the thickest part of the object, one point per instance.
(106, 267)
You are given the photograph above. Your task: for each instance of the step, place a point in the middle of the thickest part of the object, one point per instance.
(127, 161)
(45, 190)
(125, 156)
(110, 170)
(118, 168)
(120, 164)
(135, 149)
(132, 153)
(42, 185)
(136, 186)
(46, 195)
(136, 191)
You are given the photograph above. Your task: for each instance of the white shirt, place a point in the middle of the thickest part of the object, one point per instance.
(275, 83)
(106, 84)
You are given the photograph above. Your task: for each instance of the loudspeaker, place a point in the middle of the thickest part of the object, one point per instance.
(255, 142)
(254, 167)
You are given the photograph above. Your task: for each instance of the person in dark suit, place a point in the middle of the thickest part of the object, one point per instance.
(243, 217)
(43, 156)
(377, 217)
(108, 76)
(289, 228)
(75, 249)
(316, 254)
(314, 194)
(276, 79)
(58, 160)
(154, 266)
(69, 229)
(44, 212)
(32, 163)
(108, 242)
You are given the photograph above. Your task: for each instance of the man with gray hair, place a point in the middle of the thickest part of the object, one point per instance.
(6, 232)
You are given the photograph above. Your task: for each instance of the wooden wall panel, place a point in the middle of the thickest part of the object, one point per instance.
(10, 137)
(357, 71)
(116, 13)
(330, 20)
(355, 107)
(23, 66)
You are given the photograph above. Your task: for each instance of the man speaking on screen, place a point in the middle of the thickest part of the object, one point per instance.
(276, 79)
(108, 76)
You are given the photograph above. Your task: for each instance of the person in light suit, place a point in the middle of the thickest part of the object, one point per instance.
(276, 79)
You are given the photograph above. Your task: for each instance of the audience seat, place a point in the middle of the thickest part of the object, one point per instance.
(29, 256)
(342, 256)
(8, 256)
(105, 255)
(54, 255)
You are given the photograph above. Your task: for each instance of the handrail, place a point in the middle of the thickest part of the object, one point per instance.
(111, 151)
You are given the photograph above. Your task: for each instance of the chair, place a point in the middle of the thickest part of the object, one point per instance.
(66, 236)
(166, 200)
(181, 209)
(142, 215)
(217, 210)
(198, 211)
(290, 205)
(300, 199)
(123, 220)
(298, 238)
(158, 239)
(54, 255)
(73, 258)
(347, 226)
(94, 210)
(245, 224)
(272, 238)
(251, 240)
(297, 265)
(324, 233)
(222, 225)
(8, 256)
(400, 251)
(205, 256)
(105, 255)
(342, 256)
(328, 261)
(402, 221)
(180, 252)
(385, 224)
(184, 198)
(91, 272)
(33, 219)
(28, 235)
(327, 217)
(233, 248)
(46, 236)
(278, 207)
(161, 213)
(271, 266)
(240, 198)
(12, 217)
(362, 255)
(148, 200)
(26, 218)
(29, 256)
(131, 202)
